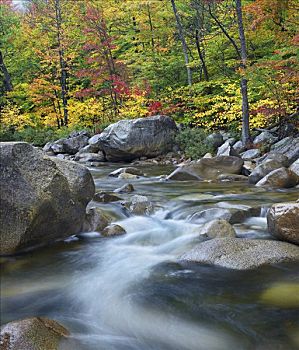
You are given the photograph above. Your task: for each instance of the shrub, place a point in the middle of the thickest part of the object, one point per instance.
(192, 141)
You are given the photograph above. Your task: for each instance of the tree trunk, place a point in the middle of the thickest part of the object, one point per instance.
(200, 54)
(225, 32)
(6, 75)
(62, 63)
(245, 105)
(151, 26)
(183, 41)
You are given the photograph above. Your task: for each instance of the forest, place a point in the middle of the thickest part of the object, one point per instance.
(71, 65)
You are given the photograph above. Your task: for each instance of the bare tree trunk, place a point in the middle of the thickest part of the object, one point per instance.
(245, 105)
(224, 31)
(183, 41)
(200, 54)
(63, 68)
(151, 26)
(6, 75)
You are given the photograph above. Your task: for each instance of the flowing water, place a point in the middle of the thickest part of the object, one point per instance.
(130, 292)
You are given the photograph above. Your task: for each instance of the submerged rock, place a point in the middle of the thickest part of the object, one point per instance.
(241, 254)
(130, 139)
(42, 198)
(217, 228)
(207, 168)
(37, 333)
(283, 221)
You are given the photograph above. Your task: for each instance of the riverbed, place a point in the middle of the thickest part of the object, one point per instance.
(130, 292)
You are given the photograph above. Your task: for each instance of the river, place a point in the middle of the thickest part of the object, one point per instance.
(130, 293)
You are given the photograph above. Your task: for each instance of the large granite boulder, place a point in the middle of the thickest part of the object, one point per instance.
(130, 139)
(215, 140)
(208, 168)
(288, 146)
(264, 169)
(241, 254)
(264, 137)
(279, 178)
(37, 333)
(227, 149)
(283, 221)
(69, 145)
(42, 198)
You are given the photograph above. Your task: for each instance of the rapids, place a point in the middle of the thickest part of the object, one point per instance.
(130, 293)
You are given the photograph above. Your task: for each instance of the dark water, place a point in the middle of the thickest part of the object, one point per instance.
(129, 293)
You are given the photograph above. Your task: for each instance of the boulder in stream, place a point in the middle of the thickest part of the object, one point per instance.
(139, 205)
(113, 230)
(130, 139)
(279, 178)
(36, 333)
(241, 254)
(42, 198)
(217, 228)
(283, 221)
(207, 168)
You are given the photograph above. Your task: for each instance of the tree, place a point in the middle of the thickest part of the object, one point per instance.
(183, 41)
(244, 89)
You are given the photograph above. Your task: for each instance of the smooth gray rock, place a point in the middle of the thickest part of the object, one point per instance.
(95, 220)
(90, 157)
(288, 146)
(241, 254)
(295, 167)
(207, 168)
(232, 178)
(227, 150)
(217, 228)
(139, 205)
(239, 147)
(70, 145)
(264, 169)
(126, 188)
(106, 197)
(283, 221)
(265, 137)
(130, 139)
(113, 230)
(251, 154)
(42, 198)
(36, 333)
(215, 140)
(127, 170)
(278, 157)
(279, 178)
(232, 215)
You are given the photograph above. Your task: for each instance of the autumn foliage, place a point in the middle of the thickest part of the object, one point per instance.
(88, 63)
